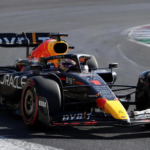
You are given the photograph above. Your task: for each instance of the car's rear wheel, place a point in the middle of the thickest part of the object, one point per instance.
(92, 62)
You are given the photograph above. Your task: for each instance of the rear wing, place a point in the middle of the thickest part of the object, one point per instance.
(27, 39)
(21, 40)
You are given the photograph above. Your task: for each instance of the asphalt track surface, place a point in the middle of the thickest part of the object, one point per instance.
(96, 27)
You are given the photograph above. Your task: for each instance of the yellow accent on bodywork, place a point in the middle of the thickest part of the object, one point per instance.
(34, 38)
(51, 47)
(52, 52)
(116, 109)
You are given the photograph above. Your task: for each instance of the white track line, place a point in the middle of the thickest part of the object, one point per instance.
(129, 60)
(14, 144)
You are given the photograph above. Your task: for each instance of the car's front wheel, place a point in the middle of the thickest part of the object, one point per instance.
(29, 105)
(142, 98)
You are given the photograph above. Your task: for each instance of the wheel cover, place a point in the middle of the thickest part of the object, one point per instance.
(29, 105)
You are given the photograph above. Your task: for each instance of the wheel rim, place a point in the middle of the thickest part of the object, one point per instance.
(29, 103)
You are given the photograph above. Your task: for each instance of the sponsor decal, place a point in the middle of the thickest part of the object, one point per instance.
(15, 82)
(69, 80)
(86, 74)
(123, 116)
(105, 92)
(120, 112)
(42, 104)
(18, 40)
(78, 116)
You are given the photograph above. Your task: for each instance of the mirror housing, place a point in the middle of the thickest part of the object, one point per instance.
(113, 65)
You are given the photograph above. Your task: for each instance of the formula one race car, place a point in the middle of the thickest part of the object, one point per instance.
(73, 92)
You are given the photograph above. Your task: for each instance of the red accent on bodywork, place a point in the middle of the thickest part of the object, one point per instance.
(97, 94)
(60, 124)
(19, 67)
(116, 99)
(62, 79)
(65, 123)
(101, 102)
(95, 122)
(78, 82)
(75, 123)
(87, 123)
(146, 120)
(22, 69)
(96, 82)
(57, 123)
(90, 123)
(41, 50)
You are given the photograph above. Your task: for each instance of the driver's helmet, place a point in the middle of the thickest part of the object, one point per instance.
(65, 64)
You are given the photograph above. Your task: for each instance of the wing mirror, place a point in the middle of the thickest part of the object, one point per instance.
(113, 65)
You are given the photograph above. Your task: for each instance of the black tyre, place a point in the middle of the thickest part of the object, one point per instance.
(29, 105)
(92, 62)
(142, 99)
(46, 88)
(126, 107)
(51, 91)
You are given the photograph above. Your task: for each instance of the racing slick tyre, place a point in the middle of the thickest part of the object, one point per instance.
(142, 98)
(92, 62)
(46, 88)
(29, 105)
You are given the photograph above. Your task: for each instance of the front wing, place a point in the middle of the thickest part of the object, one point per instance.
(100, 119)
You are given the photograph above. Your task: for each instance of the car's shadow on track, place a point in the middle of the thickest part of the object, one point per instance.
(13, 127)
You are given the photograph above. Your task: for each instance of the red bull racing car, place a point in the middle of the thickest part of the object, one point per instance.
(59, 89)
